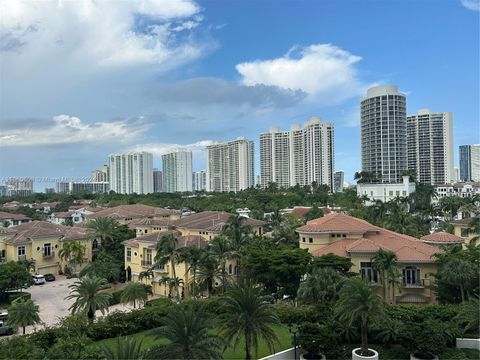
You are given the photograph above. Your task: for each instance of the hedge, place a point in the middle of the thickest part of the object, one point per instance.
(19, 295)
(116, 297)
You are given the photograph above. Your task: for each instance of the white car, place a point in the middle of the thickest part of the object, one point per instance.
(38, 279)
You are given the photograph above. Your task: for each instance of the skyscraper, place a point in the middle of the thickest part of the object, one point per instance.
(131, 173)
(299, 156)
(430, 146)
(230, 165)
(100, 175)
(338, 180)
(470, 162)
(177, 171)
(384, 133)
(157, 180)
(199, 180)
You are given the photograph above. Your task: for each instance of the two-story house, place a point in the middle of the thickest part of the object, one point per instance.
(9, 220)
(125, 214)
(462, 229)
(359, 240)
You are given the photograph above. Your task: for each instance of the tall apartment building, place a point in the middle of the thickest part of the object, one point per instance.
(100, 175)
(338, 181)
(177, 171)
(157, 180)
(299, 156)
(71, 187)
(230, 166)
(384, 133)
(199, 180)
(430, 146)
(19, 186)
(131, 173)
(470, 162)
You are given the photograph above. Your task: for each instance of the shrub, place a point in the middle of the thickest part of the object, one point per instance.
(19, 295)
(291, 314)
(426, 339)
(116, 297)
(158, 302)
(46, 338)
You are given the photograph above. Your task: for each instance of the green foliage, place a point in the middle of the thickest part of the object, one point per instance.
(105, 266)
(73, 252)
(313, 213)
(124, 348)
(134, 292)
(459, 354)
(74, 347)
(322, 285)
(116, 297)
(12, 276)
(23, 313)
(288, 313)
(426, 339)
(335, 262)
(20, 347)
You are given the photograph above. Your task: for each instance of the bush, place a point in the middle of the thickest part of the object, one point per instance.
(116, 297)
(158, 302)
(291, 314)
(18, 295)
(426, 339)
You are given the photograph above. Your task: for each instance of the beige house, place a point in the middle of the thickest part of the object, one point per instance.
(125, 214)
(41, 242)
(9, 220)
(461, 229)
(359, 240)
(442, 238)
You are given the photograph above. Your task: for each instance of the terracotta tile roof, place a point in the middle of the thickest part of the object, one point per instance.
(407, 248)
(150, 222)
(24, 233)
(211, 221)
(63, 214)
(134, 211)
(154, 238)
(9, 216)
(336, 222)
(465, 221)
(442, 238)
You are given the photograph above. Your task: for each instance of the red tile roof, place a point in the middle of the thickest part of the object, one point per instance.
(211, 221)
(24, 233)
(336, 222)
(135, 211)
(154, 238)
(9, 216)
(442, 238)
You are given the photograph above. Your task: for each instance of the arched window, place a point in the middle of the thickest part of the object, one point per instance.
(411, 276)
(230, 268)
(94, 244)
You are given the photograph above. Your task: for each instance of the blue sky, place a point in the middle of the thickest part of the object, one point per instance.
(80, 80)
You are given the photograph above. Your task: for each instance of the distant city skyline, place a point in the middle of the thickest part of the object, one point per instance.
(175, 78)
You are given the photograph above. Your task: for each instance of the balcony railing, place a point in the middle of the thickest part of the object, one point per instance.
(129, 258)
(22, 257)
(3, 260)
(417, 284)
(146, 263)
(49, 255)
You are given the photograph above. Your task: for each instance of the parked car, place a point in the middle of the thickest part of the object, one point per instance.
(3, 314)
(49, 277)
(38, 279)
(5, 329)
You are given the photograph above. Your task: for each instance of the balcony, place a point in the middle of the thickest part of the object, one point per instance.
(3, 260)
(48, 255)
(420, 284)
(146, 263)
(128, 258)
(22, 257)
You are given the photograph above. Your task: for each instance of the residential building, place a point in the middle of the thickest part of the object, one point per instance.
(19, 186)
(359, 240)
(157, 180)
(442, 238)
(338, 181)
(77, 187)
(177, 172)
(49, 191)
(385, 192)
(131, 173)
(299, 156)
(470, 162)
(10, 219)
(127, 213)
(384, 133)
(456, 170)
(230, 166)
(199, 180)
(430, 146)
(41, 242)
(101, 175)
(3, 190)
(462, 229)
(461, 189)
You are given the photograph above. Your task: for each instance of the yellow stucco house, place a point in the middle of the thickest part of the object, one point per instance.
(461, 229)
(125, 214)
(41, 242)
(359, 240)
(193, 230)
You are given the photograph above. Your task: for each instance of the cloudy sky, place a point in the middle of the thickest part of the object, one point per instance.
(82, 79)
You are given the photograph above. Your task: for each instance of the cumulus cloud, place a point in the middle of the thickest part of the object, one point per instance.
(196, 148)
(66, 129)
(323, 71)
(471, 4)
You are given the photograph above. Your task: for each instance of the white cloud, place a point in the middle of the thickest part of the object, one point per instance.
(471, 4)
(65, 129)
(197, 148)
(324, 71)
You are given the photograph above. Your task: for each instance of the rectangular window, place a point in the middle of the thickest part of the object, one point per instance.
(129, 254)
(310, 240)
(368, 273)
(47, 250)
(411, 276)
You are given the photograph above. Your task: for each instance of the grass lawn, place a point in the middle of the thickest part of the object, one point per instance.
(148, 338)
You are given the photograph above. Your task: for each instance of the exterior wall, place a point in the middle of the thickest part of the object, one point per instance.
(177, 171)
(470, 162)
(385, 192)
(464, 190)
(462, 231)
(131, 173)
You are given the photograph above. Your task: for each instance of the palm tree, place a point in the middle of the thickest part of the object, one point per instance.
(187, 328)
(458, 272)
(167, 251)
(23, 313)
(246, 314)
(238, 235)
(88, 296)
(124, 348)
(191, 255)
(74, 253)
(103, 228)
(474, 229)
(135, 291)
(384, 261)
(165, 280)
(358, 304)
(394, 281)
(208, 271)
(451, 205)
(321, 285)
(220, 247)
(147, 274)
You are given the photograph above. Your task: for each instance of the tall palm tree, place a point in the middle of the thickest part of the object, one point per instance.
(74, 253)
(103, 228)
(208, 271)
(220, 247)
(246, 314)
(23, 313)
(358, 304)
(192, 256)
(167, 252)
(165, 280)
(239, 235)
(124, 348)
(321, 285)
(88, 296)
(135, 291)
(187, 328)
(147, 274)
(384, 261)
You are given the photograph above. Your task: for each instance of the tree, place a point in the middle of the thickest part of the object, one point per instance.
(314, 213)
(88, 296)
(469, 315)
(220, 247)
(12, 276)
(124, 348)
(384, 261)
(23, 313)
(238, 235)
(135, 291)
(208, 271)
(105, 266)
(364, 177)
(246, 314)
(321, 285)
(74, 253)
(165, 280)
(358, 304)
(167, 251)
(103, 228)
(458, 273)
(474, 229)
(192, 256)
(68, 222)
(187, 328)
(451, 205)
(338, 263)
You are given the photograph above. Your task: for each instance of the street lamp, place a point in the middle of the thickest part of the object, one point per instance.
(293, 329)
